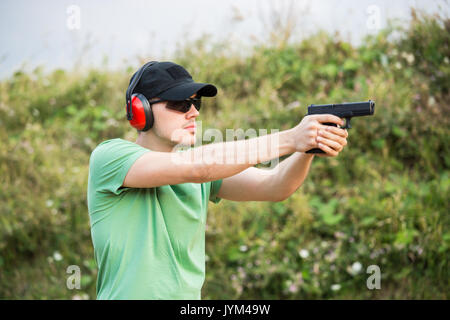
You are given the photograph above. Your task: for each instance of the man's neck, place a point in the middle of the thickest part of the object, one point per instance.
(152, 142)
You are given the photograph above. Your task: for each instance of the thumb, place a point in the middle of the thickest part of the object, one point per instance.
(323, 118)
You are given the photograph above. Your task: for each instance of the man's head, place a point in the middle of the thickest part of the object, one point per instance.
(173, 88)
(170, 126)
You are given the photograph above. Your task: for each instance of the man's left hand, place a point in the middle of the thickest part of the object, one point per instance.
(331, 140)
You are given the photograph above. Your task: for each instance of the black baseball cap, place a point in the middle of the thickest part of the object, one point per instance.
(170, 81)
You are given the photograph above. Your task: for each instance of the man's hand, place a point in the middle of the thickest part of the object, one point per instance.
(312, 133)
(331, 140)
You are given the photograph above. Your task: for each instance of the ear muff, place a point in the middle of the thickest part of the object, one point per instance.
(142, 114)
(139, 112)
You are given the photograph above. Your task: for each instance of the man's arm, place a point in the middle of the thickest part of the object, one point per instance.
(211, 162)
(254, 184)
(207, 163)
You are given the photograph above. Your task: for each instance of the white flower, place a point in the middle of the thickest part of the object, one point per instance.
(35, 112)
(57, 256)
(335, 287)
(243, 248)
(339, 235)
(431, 101)
(304, 253)
(356, 267)
(331, 256)
(49, 202)
(112, 122)
(408, 57)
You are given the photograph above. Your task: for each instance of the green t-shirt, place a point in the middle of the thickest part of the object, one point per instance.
(149, 243)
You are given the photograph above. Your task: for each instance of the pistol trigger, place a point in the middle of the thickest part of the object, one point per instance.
(347, 124)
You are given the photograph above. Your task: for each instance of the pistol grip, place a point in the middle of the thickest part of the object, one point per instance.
(315, 150)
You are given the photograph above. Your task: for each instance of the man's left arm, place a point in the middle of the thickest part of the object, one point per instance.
(254, 184)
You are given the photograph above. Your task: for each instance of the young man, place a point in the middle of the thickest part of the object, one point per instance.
(148, 211)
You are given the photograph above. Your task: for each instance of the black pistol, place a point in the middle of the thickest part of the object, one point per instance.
(342, 110)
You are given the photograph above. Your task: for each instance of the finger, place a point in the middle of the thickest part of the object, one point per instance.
(326, 134)
(328, 150)
(337, 131)
(330, 143)
(323, 118)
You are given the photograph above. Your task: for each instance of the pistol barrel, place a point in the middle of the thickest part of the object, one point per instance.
(344, 110)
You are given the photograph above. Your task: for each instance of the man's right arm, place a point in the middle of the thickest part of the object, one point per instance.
(212, 162)
(207, 163)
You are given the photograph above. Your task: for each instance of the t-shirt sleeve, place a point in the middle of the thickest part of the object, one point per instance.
(215, 186)
(110, 162)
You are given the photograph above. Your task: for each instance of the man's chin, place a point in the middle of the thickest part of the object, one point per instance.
(184, 137)
(187, 140)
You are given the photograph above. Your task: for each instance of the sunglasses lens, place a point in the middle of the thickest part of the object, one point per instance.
(185, 105)
(197, 104)
(181, 106)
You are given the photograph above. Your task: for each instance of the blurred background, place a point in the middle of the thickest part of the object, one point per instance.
(384, 201)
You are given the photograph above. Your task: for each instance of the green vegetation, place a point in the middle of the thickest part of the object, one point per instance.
(384, 201)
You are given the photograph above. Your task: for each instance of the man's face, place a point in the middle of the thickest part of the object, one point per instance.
(171, 125)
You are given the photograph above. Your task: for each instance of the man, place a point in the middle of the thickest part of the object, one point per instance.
(148, 211)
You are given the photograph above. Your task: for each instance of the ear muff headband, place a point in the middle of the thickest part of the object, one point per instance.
(133, 85)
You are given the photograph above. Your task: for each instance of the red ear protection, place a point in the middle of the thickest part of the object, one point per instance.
(142, 114)
(139, 112)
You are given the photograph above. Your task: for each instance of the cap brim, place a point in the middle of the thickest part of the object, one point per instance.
(186, 90)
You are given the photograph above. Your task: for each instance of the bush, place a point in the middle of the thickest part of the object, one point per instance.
(383, 201)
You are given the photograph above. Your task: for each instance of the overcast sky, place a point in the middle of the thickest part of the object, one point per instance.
(54, 33)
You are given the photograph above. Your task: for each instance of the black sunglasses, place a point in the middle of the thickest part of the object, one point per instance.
(183, 105)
